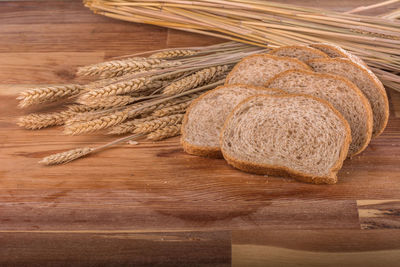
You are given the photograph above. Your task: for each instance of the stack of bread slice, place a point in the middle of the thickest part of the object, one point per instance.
(297, 111)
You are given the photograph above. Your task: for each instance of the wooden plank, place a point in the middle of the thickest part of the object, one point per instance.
(147, 208)
(379, 214)
(71, 37)
(115, 249)
(315, 248)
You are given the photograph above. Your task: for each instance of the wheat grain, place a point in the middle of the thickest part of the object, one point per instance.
(196, 79)
(173, 53)
(47, 94)
(150, 126)
(166, 132)
(129, 126)
(177, 108)
(35, 121)
(66, 156)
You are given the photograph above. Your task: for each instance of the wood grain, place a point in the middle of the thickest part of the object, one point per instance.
(316, 248)
(116, 249)
(379, 214)
(152, 204)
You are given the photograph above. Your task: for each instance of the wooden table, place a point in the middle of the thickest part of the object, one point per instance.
(152, 204)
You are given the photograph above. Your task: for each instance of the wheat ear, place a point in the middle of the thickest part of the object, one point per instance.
(136, 85)
(82, 125)
(196, 79)
(79, 108)
(37, 121)
(67, 156)
(47, 94)
(166, 132)
(106, 102)
(70, 155)
(173, 53)
(129, 126)
(177, 108)
(115, 68)
(150, 126)
(97, 124)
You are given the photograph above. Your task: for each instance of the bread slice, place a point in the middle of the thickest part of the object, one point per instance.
(301, 52)
(258, 69)
(365, 80)
(333, 51)
(205, 117)
(296, 135)
(340, 92)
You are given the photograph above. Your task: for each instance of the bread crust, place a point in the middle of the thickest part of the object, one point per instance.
(268, 56)
(353, 87)
(378, 84)
(267, 169)
(311, 49)
(211, 152)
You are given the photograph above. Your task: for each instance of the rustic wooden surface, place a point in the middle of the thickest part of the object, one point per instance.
(152, 204)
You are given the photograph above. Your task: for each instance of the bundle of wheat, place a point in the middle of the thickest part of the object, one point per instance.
(375, 39)
(143, 96)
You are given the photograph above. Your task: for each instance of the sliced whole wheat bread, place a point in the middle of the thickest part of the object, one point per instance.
(206, 115)
(365, 80)
(296, 135)
(333, 51)
(340, 92)
(258, 69)
(301, 52)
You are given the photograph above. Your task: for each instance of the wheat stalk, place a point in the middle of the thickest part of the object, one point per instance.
(70, 155)
(166, 132)
(47, 94)
(35, 121)
(174, 53)
(196, 79)
(150, 126)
